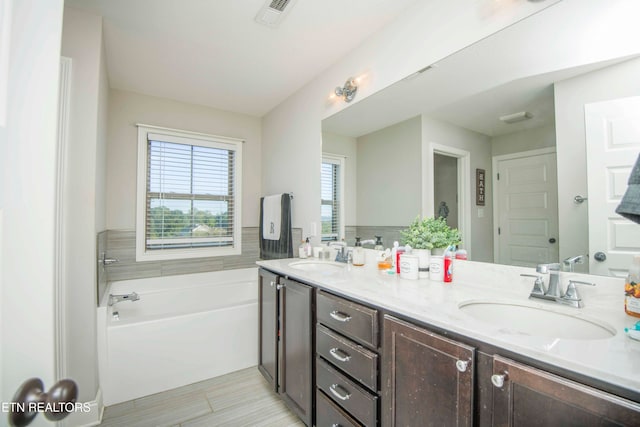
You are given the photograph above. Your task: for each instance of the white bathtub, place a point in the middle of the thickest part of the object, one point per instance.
(183, 329)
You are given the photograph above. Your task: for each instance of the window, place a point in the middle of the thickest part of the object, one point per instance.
(331, 179)
(188, 195)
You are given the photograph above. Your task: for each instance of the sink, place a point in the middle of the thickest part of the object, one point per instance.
(537, 321)
(327, 267)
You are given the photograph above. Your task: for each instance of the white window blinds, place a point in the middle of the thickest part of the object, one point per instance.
(191, 194)
(331, 198)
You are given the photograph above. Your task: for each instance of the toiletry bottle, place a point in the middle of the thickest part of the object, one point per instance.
(461, 254)
(632, 289)
(448, 266)
(399, 253)
(394, 255)
(307, 248)
(302, 250)
(358, 253)
(379, 246)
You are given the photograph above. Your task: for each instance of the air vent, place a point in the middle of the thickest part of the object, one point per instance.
(273, 11)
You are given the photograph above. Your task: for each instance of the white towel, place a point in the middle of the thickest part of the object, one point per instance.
(271, 217)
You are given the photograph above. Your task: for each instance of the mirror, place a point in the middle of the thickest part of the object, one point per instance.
(550, 66)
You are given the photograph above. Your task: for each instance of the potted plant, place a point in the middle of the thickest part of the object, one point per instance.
(430, 233)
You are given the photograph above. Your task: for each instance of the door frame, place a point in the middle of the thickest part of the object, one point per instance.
(494, 182)
(464, 187)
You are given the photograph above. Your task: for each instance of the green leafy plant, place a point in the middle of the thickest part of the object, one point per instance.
(429, 233)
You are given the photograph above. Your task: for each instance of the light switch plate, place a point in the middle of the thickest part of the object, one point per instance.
(480, 212)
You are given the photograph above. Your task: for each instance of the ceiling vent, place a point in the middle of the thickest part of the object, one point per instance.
(273, 12)
(516, 117)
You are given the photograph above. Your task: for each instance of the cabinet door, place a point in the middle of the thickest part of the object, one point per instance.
(268, 336)
(427, 379)
(525, 396)
(297, 348)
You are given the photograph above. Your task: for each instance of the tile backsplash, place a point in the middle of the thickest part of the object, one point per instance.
(121, 244)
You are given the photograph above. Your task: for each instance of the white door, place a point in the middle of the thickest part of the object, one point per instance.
(28, 140)
(526, 205)
(613, 145)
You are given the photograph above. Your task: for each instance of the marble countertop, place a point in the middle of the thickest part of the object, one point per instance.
(614, 360)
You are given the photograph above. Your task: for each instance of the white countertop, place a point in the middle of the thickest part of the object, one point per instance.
(614, 360)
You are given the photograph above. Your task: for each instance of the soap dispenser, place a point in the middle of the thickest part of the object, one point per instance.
(358, 253)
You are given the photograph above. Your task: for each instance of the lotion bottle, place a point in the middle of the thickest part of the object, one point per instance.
(358, 253)
(632, 289)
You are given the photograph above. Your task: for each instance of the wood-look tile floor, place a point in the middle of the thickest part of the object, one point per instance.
(241, 398)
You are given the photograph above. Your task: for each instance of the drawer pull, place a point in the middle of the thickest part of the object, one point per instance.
(339, 316)
(340, 355)
(336, 425)
(498, 380)
(272, 283)
(344, 395)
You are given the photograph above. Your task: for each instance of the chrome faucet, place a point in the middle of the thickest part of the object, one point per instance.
(572, 261)
(552, 293)
(341, 256)
(554, 270)
(114, 299)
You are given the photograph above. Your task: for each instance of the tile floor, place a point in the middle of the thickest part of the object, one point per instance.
(239, 399)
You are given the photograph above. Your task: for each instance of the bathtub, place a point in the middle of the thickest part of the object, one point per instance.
(184, 329)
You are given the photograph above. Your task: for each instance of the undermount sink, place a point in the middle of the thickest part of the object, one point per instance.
(318, 266)
(537, 321)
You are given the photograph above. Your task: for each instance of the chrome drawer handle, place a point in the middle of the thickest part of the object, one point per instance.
(340, 355)
(340, 317)
(461, 365)
(342, 396)
(498, 380)
(336, 425)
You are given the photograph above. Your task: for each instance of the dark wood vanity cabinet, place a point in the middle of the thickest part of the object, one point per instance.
(526, 396)
(347, 362)
(286, 340)
(427, 379)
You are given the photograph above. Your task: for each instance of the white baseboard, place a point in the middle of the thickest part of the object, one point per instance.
(89, 418)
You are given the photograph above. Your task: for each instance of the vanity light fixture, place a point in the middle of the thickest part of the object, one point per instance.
(516, 117)
(348, 92)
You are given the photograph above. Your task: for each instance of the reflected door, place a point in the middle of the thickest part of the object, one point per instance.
(527, 210)
(613, 144)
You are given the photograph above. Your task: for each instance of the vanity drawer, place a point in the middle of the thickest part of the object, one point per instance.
(354, 359)
(353, 320)
(361, 404)
(328, 414)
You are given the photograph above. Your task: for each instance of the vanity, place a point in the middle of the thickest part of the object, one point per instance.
(351, 346)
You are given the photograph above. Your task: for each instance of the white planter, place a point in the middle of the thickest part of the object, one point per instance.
(424, 256)
(438, 251)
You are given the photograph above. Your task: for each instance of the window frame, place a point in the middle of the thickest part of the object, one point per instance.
(191, 139)
(341, 162)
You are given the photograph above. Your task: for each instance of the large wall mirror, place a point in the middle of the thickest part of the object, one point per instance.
(567, 78)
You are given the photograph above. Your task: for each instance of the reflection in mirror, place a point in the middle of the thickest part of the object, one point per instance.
(549, 78)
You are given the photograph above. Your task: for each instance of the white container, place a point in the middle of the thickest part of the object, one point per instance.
(409, 266)
(436, 268)
(424, 256)
(317, 251)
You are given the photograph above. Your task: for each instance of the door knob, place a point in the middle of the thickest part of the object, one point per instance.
(600, 256)
(30, 399)
(498, 379)
(552, 240)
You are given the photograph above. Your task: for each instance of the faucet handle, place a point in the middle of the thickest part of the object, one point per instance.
(572, 292)
(538, 285)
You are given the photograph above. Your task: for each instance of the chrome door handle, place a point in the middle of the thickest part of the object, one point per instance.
(280, 286)
(344, 395)
(339, 316)
(272, 283)
(340, 355)
(600, 256)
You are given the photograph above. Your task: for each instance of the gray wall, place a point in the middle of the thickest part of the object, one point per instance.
(526, 140)
(389, 175)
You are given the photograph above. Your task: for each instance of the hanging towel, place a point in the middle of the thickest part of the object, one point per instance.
(630, 204)
(271, 217)
(282, 245)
